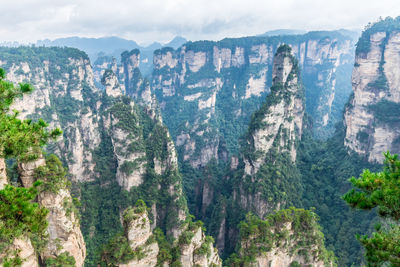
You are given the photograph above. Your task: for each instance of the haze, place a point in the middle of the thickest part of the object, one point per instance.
(146, 21)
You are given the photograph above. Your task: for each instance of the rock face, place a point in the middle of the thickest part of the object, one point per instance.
(281, 242)
(265, 177)
(371, 117)
(200, 251)
(326, 66)
(111, 84)
(22, 245)
(64, 230)
(26, 171)
(279, 123)
(64, 234)
(25, 252)
(272, 138)
(195, 248)
(138, 232)
(145, 156)
(63, 81)
(224, 82)
(3, 174)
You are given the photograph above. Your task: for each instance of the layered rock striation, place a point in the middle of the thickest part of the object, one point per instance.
(224, 82)
(371, 117)
(289, 237)
(63, 96)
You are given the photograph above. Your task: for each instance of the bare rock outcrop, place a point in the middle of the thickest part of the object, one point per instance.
(27, 169)
(63, 90)
(223, 83)
(199, 251)
(371, 118)
(24, 250)
(138, 233)
(280, 241)
(279, 123)
(3, 174)
(64, 228)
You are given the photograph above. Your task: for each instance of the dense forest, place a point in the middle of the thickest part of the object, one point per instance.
(225, 155)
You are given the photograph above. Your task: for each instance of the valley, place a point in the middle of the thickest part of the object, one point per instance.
(218, 153)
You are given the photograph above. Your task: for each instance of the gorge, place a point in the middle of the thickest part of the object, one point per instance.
(254, 136)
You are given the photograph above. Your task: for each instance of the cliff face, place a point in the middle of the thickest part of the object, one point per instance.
(104, 130)
(147, 162)
(140, 238)
(264, 178)
(140, 246)
(224, 82)
(64, 229)
(280, 241)
(145, 155)
(371, 117)
(3, 174)
(272, 138)
(199, 251)
(63, 81)
(21, 247)
(279, 122)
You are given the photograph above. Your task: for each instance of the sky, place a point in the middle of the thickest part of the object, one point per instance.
(146, 21)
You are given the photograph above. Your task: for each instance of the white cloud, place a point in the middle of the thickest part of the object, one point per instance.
(160, 20)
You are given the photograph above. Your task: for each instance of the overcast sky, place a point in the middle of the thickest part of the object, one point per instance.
(146, 21)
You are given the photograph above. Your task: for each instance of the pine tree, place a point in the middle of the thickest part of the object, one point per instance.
(22, 140)
(382, 191)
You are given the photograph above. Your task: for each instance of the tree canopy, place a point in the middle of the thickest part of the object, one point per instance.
(20, 216)
(380, 190)
(21, 139)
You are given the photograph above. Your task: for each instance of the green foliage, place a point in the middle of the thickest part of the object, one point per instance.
(20, 139)
(259, 236)
(386, 112)
(131, 214)
(380, 190)
(205, 248)
(362, 136)
(386, 25)
(12, 260)
(62, 260)
(284, 49)
(19, 215)
(67, 108)
(383, 247)
(166, 252)
(52, 175)
(36, 56)
(118, 250)
(294, 264)
(128, 119)
(325, 167)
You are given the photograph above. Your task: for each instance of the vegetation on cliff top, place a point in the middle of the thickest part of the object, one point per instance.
(20, 216)
(294, 231)
(387, 25)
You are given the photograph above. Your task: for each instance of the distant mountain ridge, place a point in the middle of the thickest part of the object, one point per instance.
(113, 46)
(106, 44)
